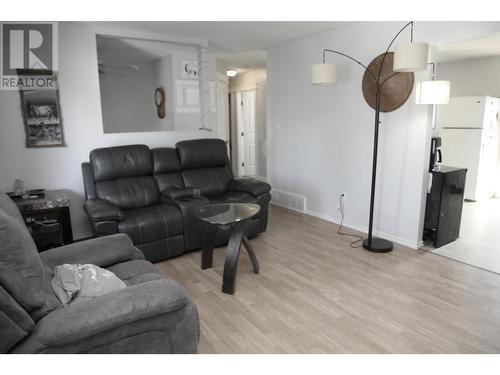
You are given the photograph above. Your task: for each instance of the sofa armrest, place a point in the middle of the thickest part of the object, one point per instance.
(177, 193)
(85, 319)
(249, 185)
(101, 210)
(102, 251)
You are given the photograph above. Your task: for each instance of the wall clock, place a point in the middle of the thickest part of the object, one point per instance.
(160, 102)
(395, 87)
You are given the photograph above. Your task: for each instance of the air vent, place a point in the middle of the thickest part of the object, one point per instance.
(292, 201)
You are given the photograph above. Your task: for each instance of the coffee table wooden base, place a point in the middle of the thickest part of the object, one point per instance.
(238, 236)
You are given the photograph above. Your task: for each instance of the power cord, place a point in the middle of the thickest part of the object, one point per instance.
(354, 244)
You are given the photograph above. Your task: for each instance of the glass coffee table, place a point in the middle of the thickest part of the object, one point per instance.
(236, 217)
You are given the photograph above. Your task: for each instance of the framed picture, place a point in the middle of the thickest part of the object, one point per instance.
(41, 112)
(190, 69)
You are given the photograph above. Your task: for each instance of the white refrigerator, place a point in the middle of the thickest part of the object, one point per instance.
(468, 127)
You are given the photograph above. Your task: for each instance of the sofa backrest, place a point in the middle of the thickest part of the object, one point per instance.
(205, 165)
(167, 168)
(15, 323)
(22, 276)
(123, 175)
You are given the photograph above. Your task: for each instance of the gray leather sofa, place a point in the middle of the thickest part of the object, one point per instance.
(149, 194)
(151, 315)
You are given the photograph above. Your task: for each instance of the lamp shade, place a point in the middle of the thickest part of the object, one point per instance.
(433, 92)
(410, 57)
(323, 74)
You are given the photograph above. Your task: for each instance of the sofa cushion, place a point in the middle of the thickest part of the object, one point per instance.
(202, 153)
(51, 302)
(129, 193)
(211, 181)
(119, 162)
(21, 272)
(10, 208)
(135, 272)
(166, 160)
(167, 168)
(151, 223)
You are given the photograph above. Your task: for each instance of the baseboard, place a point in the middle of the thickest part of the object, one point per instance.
(386, 236)
(288, 208)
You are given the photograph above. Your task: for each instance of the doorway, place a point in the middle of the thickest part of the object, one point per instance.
(469, 129)
(248, 123)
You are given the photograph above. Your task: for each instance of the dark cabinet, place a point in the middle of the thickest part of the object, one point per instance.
(444, 206)
(47, 218)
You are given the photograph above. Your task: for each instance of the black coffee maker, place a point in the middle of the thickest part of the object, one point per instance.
(436, 156)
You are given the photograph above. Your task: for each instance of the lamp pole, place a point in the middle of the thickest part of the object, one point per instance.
(376, 245)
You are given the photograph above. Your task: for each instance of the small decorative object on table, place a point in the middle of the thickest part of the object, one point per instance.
(46, 214)
(236, 216)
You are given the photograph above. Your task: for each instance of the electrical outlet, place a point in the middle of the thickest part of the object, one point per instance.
(343, 201)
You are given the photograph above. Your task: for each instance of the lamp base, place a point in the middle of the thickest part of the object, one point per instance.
(377, 245)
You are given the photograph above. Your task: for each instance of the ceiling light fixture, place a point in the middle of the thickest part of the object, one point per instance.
(231, 72)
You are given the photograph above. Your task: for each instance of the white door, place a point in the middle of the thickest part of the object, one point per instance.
(246, 129)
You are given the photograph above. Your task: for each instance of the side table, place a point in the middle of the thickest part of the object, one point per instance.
(236, 217)
(47, 218)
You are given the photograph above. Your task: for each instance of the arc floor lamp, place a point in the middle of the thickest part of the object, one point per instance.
(408, 57)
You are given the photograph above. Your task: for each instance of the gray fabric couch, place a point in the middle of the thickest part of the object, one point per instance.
(149, 194)
(151, 315)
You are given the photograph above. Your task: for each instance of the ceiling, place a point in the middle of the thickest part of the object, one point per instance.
(236, 44)
(470, 49)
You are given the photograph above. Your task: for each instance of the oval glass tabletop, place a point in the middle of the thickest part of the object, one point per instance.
(226, 213)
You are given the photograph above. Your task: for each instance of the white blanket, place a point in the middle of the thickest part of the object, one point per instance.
(77, 282)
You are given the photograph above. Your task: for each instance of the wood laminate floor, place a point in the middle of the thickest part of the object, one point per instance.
(315, 294)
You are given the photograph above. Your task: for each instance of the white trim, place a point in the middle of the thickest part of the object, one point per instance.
(400, 241)
(390, 237)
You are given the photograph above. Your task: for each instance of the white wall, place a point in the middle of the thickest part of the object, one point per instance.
(320, 138)
(472, 77)
(183, 121)
(248, 78)
(256, 79)
(59, 168)
(127, 101)
(162, 75)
